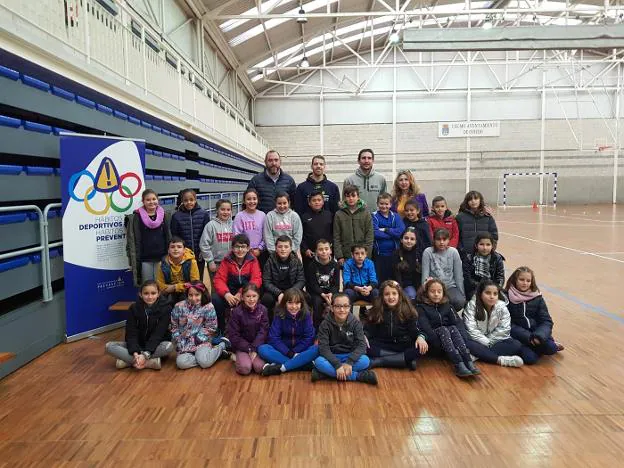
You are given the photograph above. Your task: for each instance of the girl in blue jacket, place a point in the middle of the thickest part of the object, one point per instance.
(189, 222)
(531, 323)
(291, 337)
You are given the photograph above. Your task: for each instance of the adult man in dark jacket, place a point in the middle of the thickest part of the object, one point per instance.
(317, 181)
(271, 181)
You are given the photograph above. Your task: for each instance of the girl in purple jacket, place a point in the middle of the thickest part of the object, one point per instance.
(291, 337)
(247, 330)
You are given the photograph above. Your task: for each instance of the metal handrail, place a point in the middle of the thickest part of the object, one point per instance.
(45, 257)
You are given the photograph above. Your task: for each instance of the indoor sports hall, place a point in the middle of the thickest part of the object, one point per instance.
(124, 123)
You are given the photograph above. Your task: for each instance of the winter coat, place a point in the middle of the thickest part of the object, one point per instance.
(391, 332)
(471, 224)
(447, 222)
(177, 273)
(386, 241)
(189, 226)
(316, 225)
(352, 275)
(432, 316)
(445, 265)
(352, 228)
(216, 240)
(134, 245)
(423, 232)
(231, 276)
(419, 199)
(410, 276)
(495, 328)
(251, 225)
(192, 325)
(147, 326)
(322, 279)
(341, 339)
(471, 280)
(533, 318)
(282, 224)
(267, 189)
(291, 335)
(248, 329)
(370, 186)
(331, 194)
(278, 275)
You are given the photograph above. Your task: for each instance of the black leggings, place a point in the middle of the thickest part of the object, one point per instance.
(453, 344)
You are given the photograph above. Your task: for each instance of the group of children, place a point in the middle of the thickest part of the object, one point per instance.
(276, 304)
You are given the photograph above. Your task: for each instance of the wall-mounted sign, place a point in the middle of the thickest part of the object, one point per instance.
(475, 128)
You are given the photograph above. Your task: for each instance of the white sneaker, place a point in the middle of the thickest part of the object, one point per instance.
(233, 357)
(121, 364)
(153, 363)
(474, 358)
(510, 361)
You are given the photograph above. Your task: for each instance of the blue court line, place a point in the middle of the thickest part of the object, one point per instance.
(585, 305)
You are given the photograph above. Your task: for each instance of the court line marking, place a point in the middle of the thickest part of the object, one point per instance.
(583, 304)
(499, 221)
(608, 253)
(613, 221)
(582, 252)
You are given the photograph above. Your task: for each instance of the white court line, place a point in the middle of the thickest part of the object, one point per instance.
(582, 217)
(582, 252)
(499, 221)
(609, 253)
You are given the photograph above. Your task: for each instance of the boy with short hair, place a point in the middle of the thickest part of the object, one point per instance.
(441, 217)
(283, 270)
(358, 276)
(387, 228)
(176, 268)
(317, 224)
(352, 225)
(322, 280)
(237, 269)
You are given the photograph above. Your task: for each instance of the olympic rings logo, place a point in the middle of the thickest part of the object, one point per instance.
(108, 191)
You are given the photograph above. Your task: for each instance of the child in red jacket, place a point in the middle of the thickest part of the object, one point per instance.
(440, 217)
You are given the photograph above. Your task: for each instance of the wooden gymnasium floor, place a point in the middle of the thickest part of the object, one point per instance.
(71, 407)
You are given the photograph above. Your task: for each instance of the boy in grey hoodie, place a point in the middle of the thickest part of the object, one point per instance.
(444, 263)
(283, 221)
(216, 240)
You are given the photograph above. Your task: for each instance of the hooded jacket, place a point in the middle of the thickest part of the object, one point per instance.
(495, 328)
(179, 273)
(291, 335)
(322, 279)
(471, 280)
(192, 325)
(278, 275)
(341, 339)
(352, 228)
(531, 318)
(134, 243)
(470, 224)
(352, 275)
(331, 194)
(386, 241)
(147, 326)
(267, 189)
(410, 258)
(423, 232)
(216, 240)
(316, 225)
(447, 222)
(392, 333)
(248, 329)
(282, 224)
(370, 185)
(189, 225)
(231, 276)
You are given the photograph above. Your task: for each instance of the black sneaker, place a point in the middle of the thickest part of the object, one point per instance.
(226, 342)
(225, 354)
(367, 376)
(316, 375)
(271, 369)
(472, 368)
(462, 371)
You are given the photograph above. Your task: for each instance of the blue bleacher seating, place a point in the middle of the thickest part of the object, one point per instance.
(9, 121)
(145, 124)
(12, 263)
(134, 120)
(60, 92)
(104, 109)
(34, 82)
(57, 130)
(39, 170)
(9, 73)
(8, 169)
(85, 102)
(37, 127)
(11, 218)
(149, 177)
(120, 115)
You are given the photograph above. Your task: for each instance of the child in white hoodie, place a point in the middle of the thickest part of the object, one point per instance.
(216, 240)
(283, 221)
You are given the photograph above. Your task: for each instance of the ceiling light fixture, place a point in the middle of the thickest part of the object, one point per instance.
(394, 38)
(301, 17)
(487, 24)
(305, 63)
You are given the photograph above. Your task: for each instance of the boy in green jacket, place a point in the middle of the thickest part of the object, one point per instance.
(352, 225)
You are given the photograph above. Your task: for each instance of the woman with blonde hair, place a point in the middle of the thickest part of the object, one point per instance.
(405, 189)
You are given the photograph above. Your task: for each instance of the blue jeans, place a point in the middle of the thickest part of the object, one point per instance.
(272, 355)
(355, 296)
(325, 367)
(530, 354)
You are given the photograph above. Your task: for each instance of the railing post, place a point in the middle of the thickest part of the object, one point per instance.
(47, 286)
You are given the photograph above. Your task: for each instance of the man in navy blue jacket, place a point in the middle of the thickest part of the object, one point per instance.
(317, 181)
(271, 181)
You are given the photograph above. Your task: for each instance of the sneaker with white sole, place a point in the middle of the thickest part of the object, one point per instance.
(153, 363)
(510, 361)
